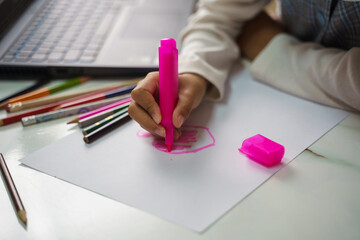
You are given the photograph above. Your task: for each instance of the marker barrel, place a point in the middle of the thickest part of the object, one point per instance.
(168, 85)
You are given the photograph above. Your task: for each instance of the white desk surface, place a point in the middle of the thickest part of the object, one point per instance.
(316, 196)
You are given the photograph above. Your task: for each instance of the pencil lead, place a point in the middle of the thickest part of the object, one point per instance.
(3, 105)
(86, 140)
(169, 147)
(84, 79)
(75, 120)
(22, 216)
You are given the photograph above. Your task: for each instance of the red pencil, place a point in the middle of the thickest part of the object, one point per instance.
(18, 117)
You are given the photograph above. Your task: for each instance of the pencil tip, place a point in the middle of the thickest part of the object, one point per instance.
(75, 120)
(86, 140)
(3, 105)
(169, 147)
(84, 79)
(22, 216)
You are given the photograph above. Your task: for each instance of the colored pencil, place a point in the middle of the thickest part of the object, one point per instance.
(42, 109)
(19, 116)
(39, 83)
(86, 115)
(107, 128)
(102, 122)
(14, 195)
(18, 106)
(101, 115)
(46, 91)
(99, 96)
(80, 109)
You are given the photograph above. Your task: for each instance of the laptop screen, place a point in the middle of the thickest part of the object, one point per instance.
(10, 10)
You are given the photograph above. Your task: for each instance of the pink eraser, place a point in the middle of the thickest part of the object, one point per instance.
(263, 150)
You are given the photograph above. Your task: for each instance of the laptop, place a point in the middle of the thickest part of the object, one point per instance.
(66, 38)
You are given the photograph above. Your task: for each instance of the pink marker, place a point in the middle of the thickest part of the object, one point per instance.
(168, 86)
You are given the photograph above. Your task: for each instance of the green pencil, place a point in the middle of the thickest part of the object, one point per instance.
(83, 123)
(115, 123)
(104, 121)
(46, 91)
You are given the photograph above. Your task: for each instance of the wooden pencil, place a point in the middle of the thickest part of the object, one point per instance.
(99, 96)
(101, 115)
(39, 83)
(23, 105)
(107, 128)
(46, 91)
(19, 116)
(14, 195)
(80, 109)
(86, 115)
(102, 122)
(47, 108)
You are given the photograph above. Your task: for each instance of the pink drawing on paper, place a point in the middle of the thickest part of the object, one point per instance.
(193, 139)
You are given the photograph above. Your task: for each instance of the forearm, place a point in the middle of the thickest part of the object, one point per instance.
(325, 75)
(209, 45)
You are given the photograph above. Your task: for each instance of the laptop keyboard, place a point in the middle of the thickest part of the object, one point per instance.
(66, 31)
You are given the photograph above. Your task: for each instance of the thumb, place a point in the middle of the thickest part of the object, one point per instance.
(182, 111)
(192, 89)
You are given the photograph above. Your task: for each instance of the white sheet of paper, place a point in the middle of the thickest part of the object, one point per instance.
(198, 184)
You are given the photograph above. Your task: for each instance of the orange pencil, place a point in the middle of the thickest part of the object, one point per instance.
(46, 91)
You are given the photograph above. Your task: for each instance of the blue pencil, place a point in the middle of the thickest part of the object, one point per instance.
(98, 97)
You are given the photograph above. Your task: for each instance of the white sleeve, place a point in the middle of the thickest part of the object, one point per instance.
(209, 46)
(325, 75)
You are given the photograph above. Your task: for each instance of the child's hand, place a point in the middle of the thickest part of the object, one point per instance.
(144, 107)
